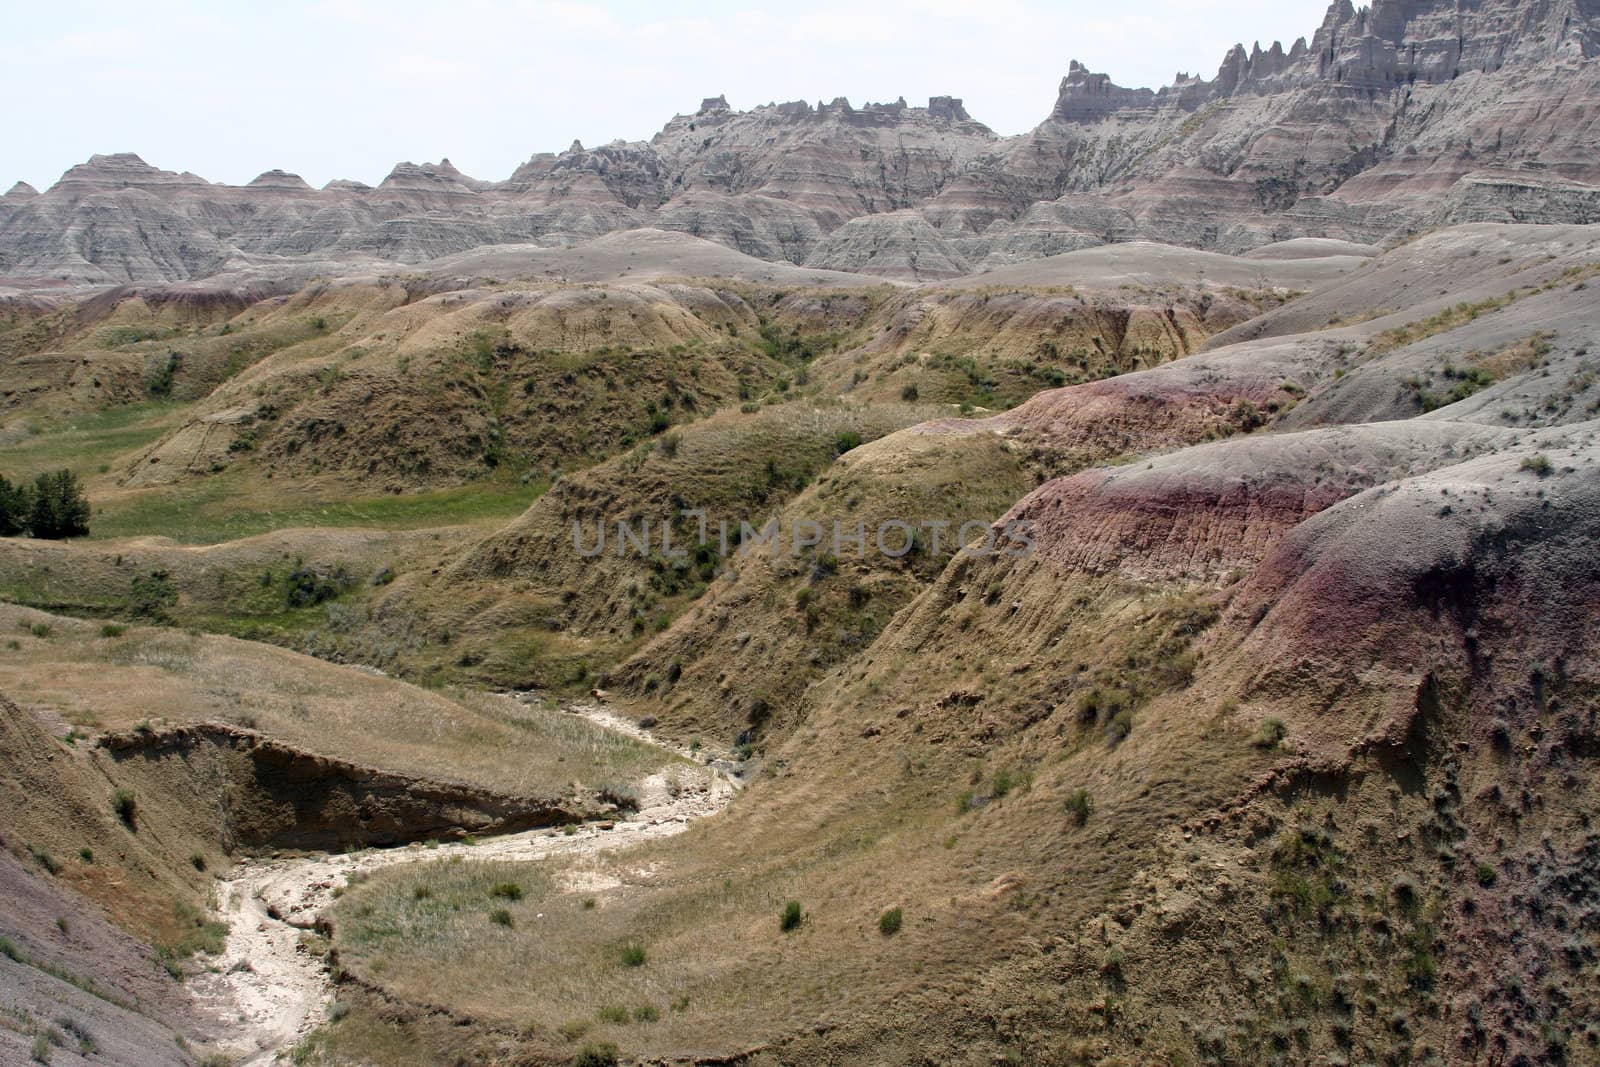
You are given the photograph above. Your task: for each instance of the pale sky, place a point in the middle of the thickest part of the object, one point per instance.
(347, 88)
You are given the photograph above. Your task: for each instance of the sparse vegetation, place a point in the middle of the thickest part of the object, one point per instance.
(192, 932)
(792, 917)
(1448, 319)
(889, 922)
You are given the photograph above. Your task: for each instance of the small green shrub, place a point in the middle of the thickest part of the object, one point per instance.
(43, 858)
(792, 917)
(112, 629)
(614, 1014)
(126, 805)
(150, 595)
(501, 917)
(506, 891)
(1269, 734)
(1538, 464)
(889, 922)
(1079, 806)
(603, 1054)
(1486, 874)
(646, 1013)
(1247, 415)
(910, 393)
(306, 588)
(633, 956)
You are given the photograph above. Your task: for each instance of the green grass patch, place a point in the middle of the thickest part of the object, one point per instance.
(445, 908)
(221, 508)
(86, 443)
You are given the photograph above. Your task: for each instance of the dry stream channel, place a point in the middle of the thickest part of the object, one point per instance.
(266, 993)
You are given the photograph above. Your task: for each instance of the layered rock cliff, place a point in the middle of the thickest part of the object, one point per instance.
(1386, 120)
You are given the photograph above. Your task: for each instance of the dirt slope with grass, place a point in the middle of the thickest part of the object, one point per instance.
(142, 761)
(1275, 748)
(1291, 753)
(787, 624)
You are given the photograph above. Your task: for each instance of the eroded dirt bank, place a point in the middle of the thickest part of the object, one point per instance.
(271, 986)
(276, 795)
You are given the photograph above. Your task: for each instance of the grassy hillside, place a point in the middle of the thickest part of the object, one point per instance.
(1271, 750)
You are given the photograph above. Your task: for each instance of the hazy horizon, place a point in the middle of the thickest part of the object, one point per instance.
(331, 89)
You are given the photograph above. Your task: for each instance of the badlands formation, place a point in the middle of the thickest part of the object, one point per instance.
(330, 743)
(1402, 116)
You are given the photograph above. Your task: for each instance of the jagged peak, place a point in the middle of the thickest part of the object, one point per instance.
(446, 169)
(1428, 40)
(434, 173)
(20, 191)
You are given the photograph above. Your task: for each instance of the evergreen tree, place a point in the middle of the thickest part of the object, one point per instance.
(60, 509)
(15, 507)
